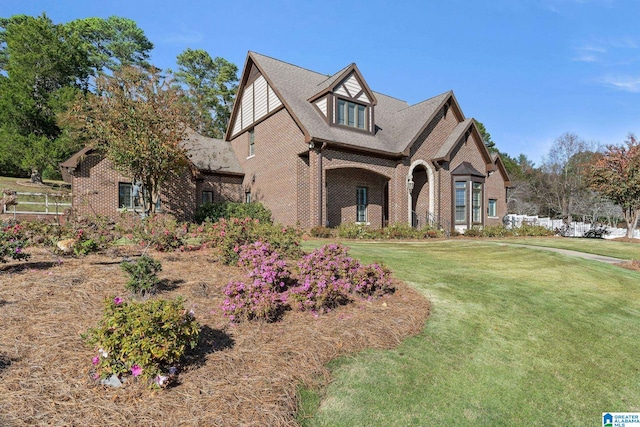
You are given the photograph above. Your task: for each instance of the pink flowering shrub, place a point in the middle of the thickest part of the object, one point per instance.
(264, 296)
(12, 243)
(326, 278)
(372, 281)
(142, 339)
(162, 232)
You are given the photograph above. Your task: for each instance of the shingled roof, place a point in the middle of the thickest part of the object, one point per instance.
(397, 122)
(211, 154)
(206, 154)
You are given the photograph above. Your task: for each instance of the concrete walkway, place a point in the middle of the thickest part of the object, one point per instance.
(593, 257)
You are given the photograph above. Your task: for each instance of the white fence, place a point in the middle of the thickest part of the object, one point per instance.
(575, 229)
(39, 204)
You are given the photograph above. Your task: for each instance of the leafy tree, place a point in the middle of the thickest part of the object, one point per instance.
(486, 137)
(111, 43)
(42, 66)
(563, 180)
(615, 174)
(138, 121)
(210, 85)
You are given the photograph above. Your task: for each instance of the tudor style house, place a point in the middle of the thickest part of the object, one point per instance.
(320, 150)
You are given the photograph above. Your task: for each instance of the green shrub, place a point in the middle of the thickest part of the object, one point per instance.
(473, 232)
(44, 233)
(405, 231)
(162, 232)
(496, 231)
(399, 231)
(227, 210)
(502, 231)
(143, 339)
(393, 231)
(532, 231)
(321, 232)
(355, 231)
(229, 236)
(143, 274)
(12, 243)
(91, 233)
(432, 233)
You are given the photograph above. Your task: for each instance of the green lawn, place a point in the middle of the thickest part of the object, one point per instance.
(516, 337)
(607, 247)
(57, 191)
(24, 184)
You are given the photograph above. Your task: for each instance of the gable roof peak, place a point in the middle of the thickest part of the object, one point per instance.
(258, 56)
(330, 84)
(333, 77)
(440, 97)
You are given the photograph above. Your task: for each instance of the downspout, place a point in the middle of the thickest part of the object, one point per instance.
(440, 195)
(320, 186)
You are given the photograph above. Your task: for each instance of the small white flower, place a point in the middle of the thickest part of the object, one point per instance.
(160, 379)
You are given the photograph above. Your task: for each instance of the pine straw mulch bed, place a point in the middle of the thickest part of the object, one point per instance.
(244, 374)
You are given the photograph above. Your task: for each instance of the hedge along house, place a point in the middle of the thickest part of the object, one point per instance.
(319, 150)
(213, 175)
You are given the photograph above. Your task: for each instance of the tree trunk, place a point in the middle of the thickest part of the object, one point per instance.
(631, 217)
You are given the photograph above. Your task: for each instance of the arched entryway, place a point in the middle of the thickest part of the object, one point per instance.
(420, 193)
(356, 195)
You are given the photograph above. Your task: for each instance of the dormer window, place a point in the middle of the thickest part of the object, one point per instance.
(351, 114)
(347, 102)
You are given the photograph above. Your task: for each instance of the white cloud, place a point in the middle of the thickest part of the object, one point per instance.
(589, 53)
(625, 83)
(585, 58)
(593, 48)
(613, 50)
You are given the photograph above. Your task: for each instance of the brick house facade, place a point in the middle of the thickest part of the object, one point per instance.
(213, 175)
(325, 150)
(320, 150)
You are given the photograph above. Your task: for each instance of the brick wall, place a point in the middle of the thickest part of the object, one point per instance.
(468, 150)
(425, 149)
(494, 189)
(344, 172)
(95, 189)
(341, 192)
(274, 174)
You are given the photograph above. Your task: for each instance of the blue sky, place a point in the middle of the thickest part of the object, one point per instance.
(530, 70)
